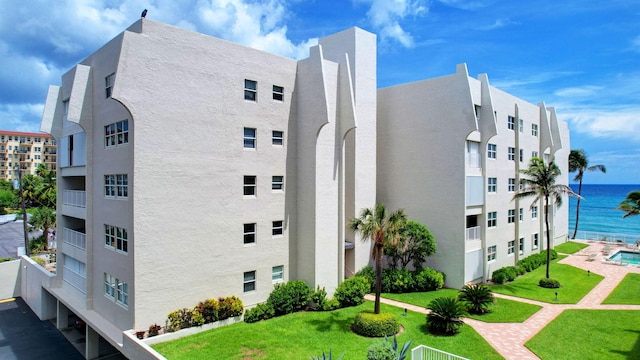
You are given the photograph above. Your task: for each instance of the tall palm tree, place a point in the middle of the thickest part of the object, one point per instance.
(540, 182)
(631, 204)
(382, 229)
(579, 161)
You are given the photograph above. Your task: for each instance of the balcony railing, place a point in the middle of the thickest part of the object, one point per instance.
(74, 279)
(473, 160)
(75, 238)
(77, 198)
(473, 233)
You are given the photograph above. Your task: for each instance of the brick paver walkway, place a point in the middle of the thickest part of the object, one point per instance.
(509, 338)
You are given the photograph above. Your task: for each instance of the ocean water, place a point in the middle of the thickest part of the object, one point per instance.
(597, 210)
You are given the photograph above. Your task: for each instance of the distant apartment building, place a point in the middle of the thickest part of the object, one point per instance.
(24, 151)
(191, 167)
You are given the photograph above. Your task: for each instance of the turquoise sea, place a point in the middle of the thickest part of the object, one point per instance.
(597, 210)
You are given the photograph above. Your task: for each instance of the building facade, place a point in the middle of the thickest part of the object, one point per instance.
(191, 167)
(26, 151)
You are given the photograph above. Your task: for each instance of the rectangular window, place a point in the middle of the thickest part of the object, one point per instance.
(511, 123)
(521, 246)
(249, 282)
(534, 154)
(492, 184)
(116, 238)
(492, 151)
(109, 286)
(249, 185)
(250, 90)
(278, 93)
(249, 138)
(277, 137)
(116, 134)
(511, 247)
(110, 185)
(277, 273)
(109, 84)
(534, 241)
(492, 219)
(522, 184)
(116, 186)
(278, 228)
(249, 233)
(521, 125)
(512, 153)
(65, 106)
(491, 253)
(520, 214)
(122, 293)
(534, 129)
(534, 212)
(511, 186)
(521, 155)
(277, 183)
(511, 216)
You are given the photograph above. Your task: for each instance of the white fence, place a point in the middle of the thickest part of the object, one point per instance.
(608, 237)
(423, 352)
(75, 238)
(76, 198)
(473, 233)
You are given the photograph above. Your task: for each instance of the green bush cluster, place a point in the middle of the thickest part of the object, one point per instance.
(351, 291)
(204, 312)
(367, 323)
(259, 312)
(289, 297)
(404, 281)
(528, 264)
(320, 302)
(381, 351)
(549, 283)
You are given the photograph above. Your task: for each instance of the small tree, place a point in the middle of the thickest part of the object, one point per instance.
(446, 315)
(477, 298)
(414, 245)
(579, 162)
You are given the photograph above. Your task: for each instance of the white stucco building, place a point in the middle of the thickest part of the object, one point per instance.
(191, 167)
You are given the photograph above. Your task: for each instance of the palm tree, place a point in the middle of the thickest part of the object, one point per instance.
(541, 184)
(477, 297)
(631, 204)
(374, 224)
(578, 161)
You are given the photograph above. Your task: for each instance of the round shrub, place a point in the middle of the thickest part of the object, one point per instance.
(179, 319)
(209, 310)
(229, 306)
(289, 297)
(499, 276)
(428, 279)
(446, 315)
(549, 283)
(399, 281)
(351, 291)
(331, 304)
(381, 351)
(260, 312)
(369, 273)
(196, 318)
(520, 270)
(369, 324)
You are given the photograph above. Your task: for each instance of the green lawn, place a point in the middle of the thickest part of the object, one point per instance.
(303, 334)
(574, 282)
(627, 292)
(504, 311)
(589, 334)
(570, 247)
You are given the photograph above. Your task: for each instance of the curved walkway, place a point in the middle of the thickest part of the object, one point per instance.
(509, 338)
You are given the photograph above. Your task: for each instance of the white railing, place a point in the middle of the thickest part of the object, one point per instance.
(74, 279)
(608, 237)
(473, 160)
(77, 198)
(423, 352)
(75, 238)
(473, 233)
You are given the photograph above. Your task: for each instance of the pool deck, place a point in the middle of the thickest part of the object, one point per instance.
(508, 339)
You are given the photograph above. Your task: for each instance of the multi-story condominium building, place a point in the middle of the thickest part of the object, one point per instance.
(450, 151)
(25, 151)
(191, 167)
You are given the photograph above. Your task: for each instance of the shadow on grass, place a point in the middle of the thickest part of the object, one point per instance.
(334, 322)
(633, 354)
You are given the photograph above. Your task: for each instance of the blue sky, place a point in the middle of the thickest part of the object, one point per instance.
(581, 56)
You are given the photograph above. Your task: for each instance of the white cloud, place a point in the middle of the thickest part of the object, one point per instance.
(21, 117)
(385, 16)
(464, 4)
(617, 122)
(574, 92)
(499, 23)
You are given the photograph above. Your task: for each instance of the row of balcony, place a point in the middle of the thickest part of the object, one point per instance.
(77, 198)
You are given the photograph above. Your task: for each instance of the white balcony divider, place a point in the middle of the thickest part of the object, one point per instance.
(74, 279)
(75, 238)
(77, 198)
(473, 233)
(422, 352)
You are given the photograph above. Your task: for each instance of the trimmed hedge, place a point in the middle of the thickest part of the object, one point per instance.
(369, 324)
(528, 264)
(549, 283)
(204, 312)
(351, 291)
(259, 312)
(404, 281)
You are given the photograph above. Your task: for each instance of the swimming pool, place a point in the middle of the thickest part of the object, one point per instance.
(626, 257)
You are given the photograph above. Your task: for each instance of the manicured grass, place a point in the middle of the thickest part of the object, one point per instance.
(504, 311)
(570, 247)
(303, 334)
(574, 282)
(589, 334)
(627, 292)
